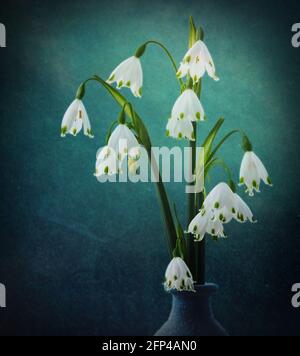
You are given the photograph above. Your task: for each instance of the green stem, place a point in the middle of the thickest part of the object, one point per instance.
(224, 139)
(220, 162)
(199, 247)
(192, 207)
(145, 139)
(200, 252)
(168, 53)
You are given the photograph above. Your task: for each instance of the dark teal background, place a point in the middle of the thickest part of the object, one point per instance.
(84, 258)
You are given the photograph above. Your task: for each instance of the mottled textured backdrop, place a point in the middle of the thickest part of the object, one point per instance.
(84, 258)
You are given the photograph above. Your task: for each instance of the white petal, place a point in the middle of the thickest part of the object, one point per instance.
(182, 70)
(242, 210)
(180, 128)
(70, 116)
(209, 63)
(193, 52)
(106, 162)
(249, 174)
(198, 225)
(221, 196)
(188, 106)
(85, 118)
(128, 74)
(215, 228)
(76, 127)
(261, 169)
(196, 70)
(118, 72)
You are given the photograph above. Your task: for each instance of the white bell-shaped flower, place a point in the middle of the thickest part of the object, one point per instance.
(188, 106)
(215, 229)
(252, 171)
(178, 276)
(106, 162)
(128, 74)
(241, 211)
(220, 207)
(220, 199)
(180, 128)
(226, 205)
(196, 62)
(198, 226)
(206, 223)
(186, 109)
(74, 119)
(121, 143)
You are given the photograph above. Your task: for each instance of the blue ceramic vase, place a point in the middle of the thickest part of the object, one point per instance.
(192, 315)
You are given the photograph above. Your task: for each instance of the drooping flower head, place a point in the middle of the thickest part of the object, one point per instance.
(206, 223)
(74, 119)
(220, 207)
(252, 171)
(180, 128)
(122, 143)
(196, 62)
(187, 108)
(128, 74)
(178, 276)
(241, 212)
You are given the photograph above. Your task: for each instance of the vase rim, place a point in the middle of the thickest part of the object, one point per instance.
(207, 288)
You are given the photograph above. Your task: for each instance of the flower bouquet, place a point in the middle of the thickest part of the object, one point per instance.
(128, 141)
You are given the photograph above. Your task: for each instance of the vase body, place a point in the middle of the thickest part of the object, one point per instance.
(192, 315)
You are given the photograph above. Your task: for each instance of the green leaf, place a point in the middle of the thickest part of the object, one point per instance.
(219, 162)
(180, 249)
(207, 144)
(220, 144)
(110, 131)
(179, 228)
(80, 91)
(137, 122)
(192, 32)
(145, 140)
(200, 34)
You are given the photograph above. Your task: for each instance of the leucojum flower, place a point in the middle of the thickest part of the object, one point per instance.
(222, 204)
(252, 171)
(128, 74)
(196, 62)
(187, 108)
(220, 207)
(122, 143)
(178, 276)
(74, 119)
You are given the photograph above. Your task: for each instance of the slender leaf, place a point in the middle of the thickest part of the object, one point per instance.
(145, 139)
(224, 139)
(219, 162)
(192, 32)
(110, 131)
(207, 144)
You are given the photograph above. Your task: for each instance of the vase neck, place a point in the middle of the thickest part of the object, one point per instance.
(187, 304)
